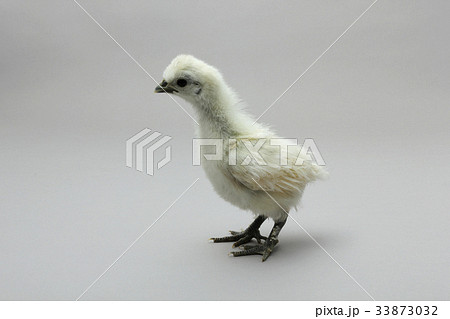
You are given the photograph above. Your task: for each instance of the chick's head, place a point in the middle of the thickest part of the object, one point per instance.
(190, 78)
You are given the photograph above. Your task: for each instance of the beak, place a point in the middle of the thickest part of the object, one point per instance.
(164, 87)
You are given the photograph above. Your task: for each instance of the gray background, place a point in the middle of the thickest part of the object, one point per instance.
(376, 105)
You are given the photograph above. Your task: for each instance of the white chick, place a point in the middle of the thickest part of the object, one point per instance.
(253, 174)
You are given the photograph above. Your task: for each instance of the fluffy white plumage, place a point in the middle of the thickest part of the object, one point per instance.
(221, 115)
(256, 181)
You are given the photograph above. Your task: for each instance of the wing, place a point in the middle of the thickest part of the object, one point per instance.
(269, 179)
(266, 173)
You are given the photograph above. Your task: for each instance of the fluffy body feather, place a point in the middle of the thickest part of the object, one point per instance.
(247, 184)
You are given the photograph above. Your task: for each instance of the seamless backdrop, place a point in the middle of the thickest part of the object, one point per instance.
(376, 104)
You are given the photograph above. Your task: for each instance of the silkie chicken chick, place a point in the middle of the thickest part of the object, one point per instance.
(253, 174)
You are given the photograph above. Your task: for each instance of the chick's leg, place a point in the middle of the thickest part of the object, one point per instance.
(245, 236)
(263, 249)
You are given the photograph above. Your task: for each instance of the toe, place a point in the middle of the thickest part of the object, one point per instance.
(223, 239)
(255, 250)
(266, 254)
(242, 241)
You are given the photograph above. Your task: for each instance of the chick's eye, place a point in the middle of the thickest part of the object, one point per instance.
(181, 82)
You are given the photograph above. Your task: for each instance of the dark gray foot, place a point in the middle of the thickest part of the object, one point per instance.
(264, 249)
(245, 236)
(240, 238)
